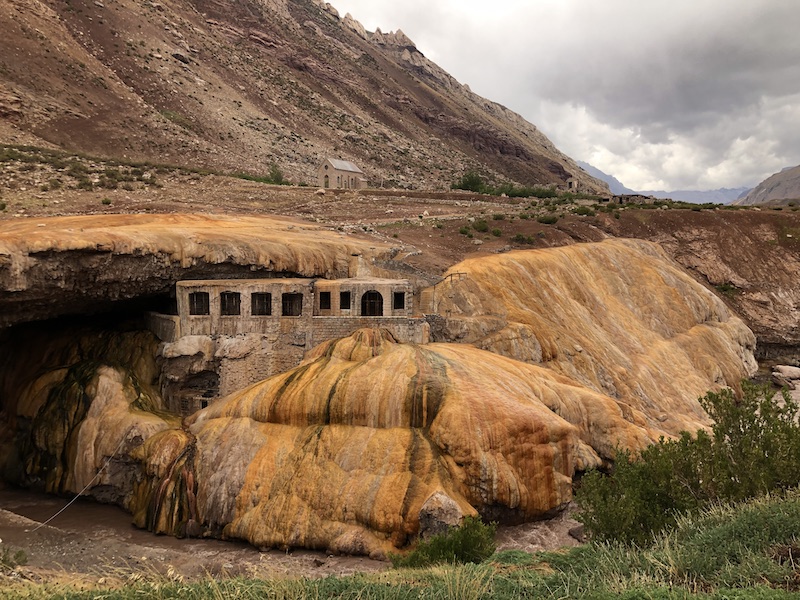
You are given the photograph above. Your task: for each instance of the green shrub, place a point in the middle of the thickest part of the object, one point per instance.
(753, 449)
(496, 232)
(276, 175)
(106, 201)
(522, 239)
(584, 211)
(10, 559)
(464, 230)
(727, 289)
(498, 217)
(2, 205)
(472, 542)
(470, 181)
(480, 226)
(547, 219)
(524, 216)
(539, 192)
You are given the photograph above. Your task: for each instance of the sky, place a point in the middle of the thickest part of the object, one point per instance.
(661, 94)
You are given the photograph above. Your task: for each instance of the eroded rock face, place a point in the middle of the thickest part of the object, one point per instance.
(343, 452)
(74, 407)
(618, 317)
(83, 265)
(369, 442)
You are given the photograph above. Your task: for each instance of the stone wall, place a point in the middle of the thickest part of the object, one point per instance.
(166, 327)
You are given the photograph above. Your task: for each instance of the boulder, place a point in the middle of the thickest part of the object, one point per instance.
(438, 514)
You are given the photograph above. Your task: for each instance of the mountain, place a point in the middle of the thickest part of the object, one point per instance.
(719, 196)
(614, 184)
(780, 188)
(243, 85)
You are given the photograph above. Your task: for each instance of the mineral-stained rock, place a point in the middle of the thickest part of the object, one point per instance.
(346, 451)
(84, 265)
(617, 316)
(343, 452)
(74, 407)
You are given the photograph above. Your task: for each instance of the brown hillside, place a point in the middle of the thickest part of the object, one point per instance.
(241, 85)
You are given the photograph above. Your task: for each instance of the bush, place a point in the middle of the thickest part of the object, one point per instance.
(106, 201)
(496, 232)
(584, 211)
(522, 239)
(464, 231)
(472, 542)
(753, 449)
(547, 219)
(470, 181)
(498, 217)
(276, 175)
(2, 205)
(481, 226)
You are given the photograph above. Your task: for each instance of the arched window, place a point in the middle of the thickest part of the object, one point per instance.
(327, 181)
(372, 304)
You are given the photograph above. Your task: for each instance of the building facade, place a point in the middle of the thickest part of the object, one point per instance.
(229, 334)
(340, 174)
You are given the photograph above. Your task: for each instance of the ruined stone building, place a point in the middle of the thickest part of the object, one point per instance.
(229, 334)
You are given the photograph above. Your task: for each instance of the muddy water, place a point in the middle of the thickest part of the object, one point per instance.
(98, 543)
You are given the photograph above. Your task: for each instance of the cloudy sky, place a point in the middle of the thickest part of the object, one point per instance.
(662, 94)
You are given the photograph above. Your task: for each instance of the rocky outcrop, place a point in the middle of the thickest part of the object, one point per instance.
(85, 265)
(73, 408)
(350, 450)
(573, 353)
(750, 257)
(788, 377)
(618, 317)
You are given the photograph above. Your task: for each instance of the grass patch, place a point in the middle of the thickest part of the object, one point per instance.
(472, 542)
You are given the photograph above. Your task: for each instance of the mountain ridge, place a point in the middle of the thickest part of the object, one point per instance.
(782, 187)
(243, 85)
(718, 196)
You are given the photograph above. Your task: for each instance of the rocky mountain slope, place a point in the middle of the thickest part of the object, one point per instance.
(246, 84)
(780, 188)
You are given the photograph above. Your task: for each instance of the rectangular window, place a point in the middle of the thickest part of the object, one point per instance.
(399, 301)
(324, 300)
(198, 303)
(292, 305)
(344, 300)
(261, 304)
(230, 303)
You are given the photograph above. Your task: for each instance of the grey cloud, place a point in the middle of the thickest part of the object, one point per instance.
(683, 92)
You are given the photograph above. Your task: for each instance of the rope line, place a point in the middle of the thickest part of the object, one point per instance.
(88, 485)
